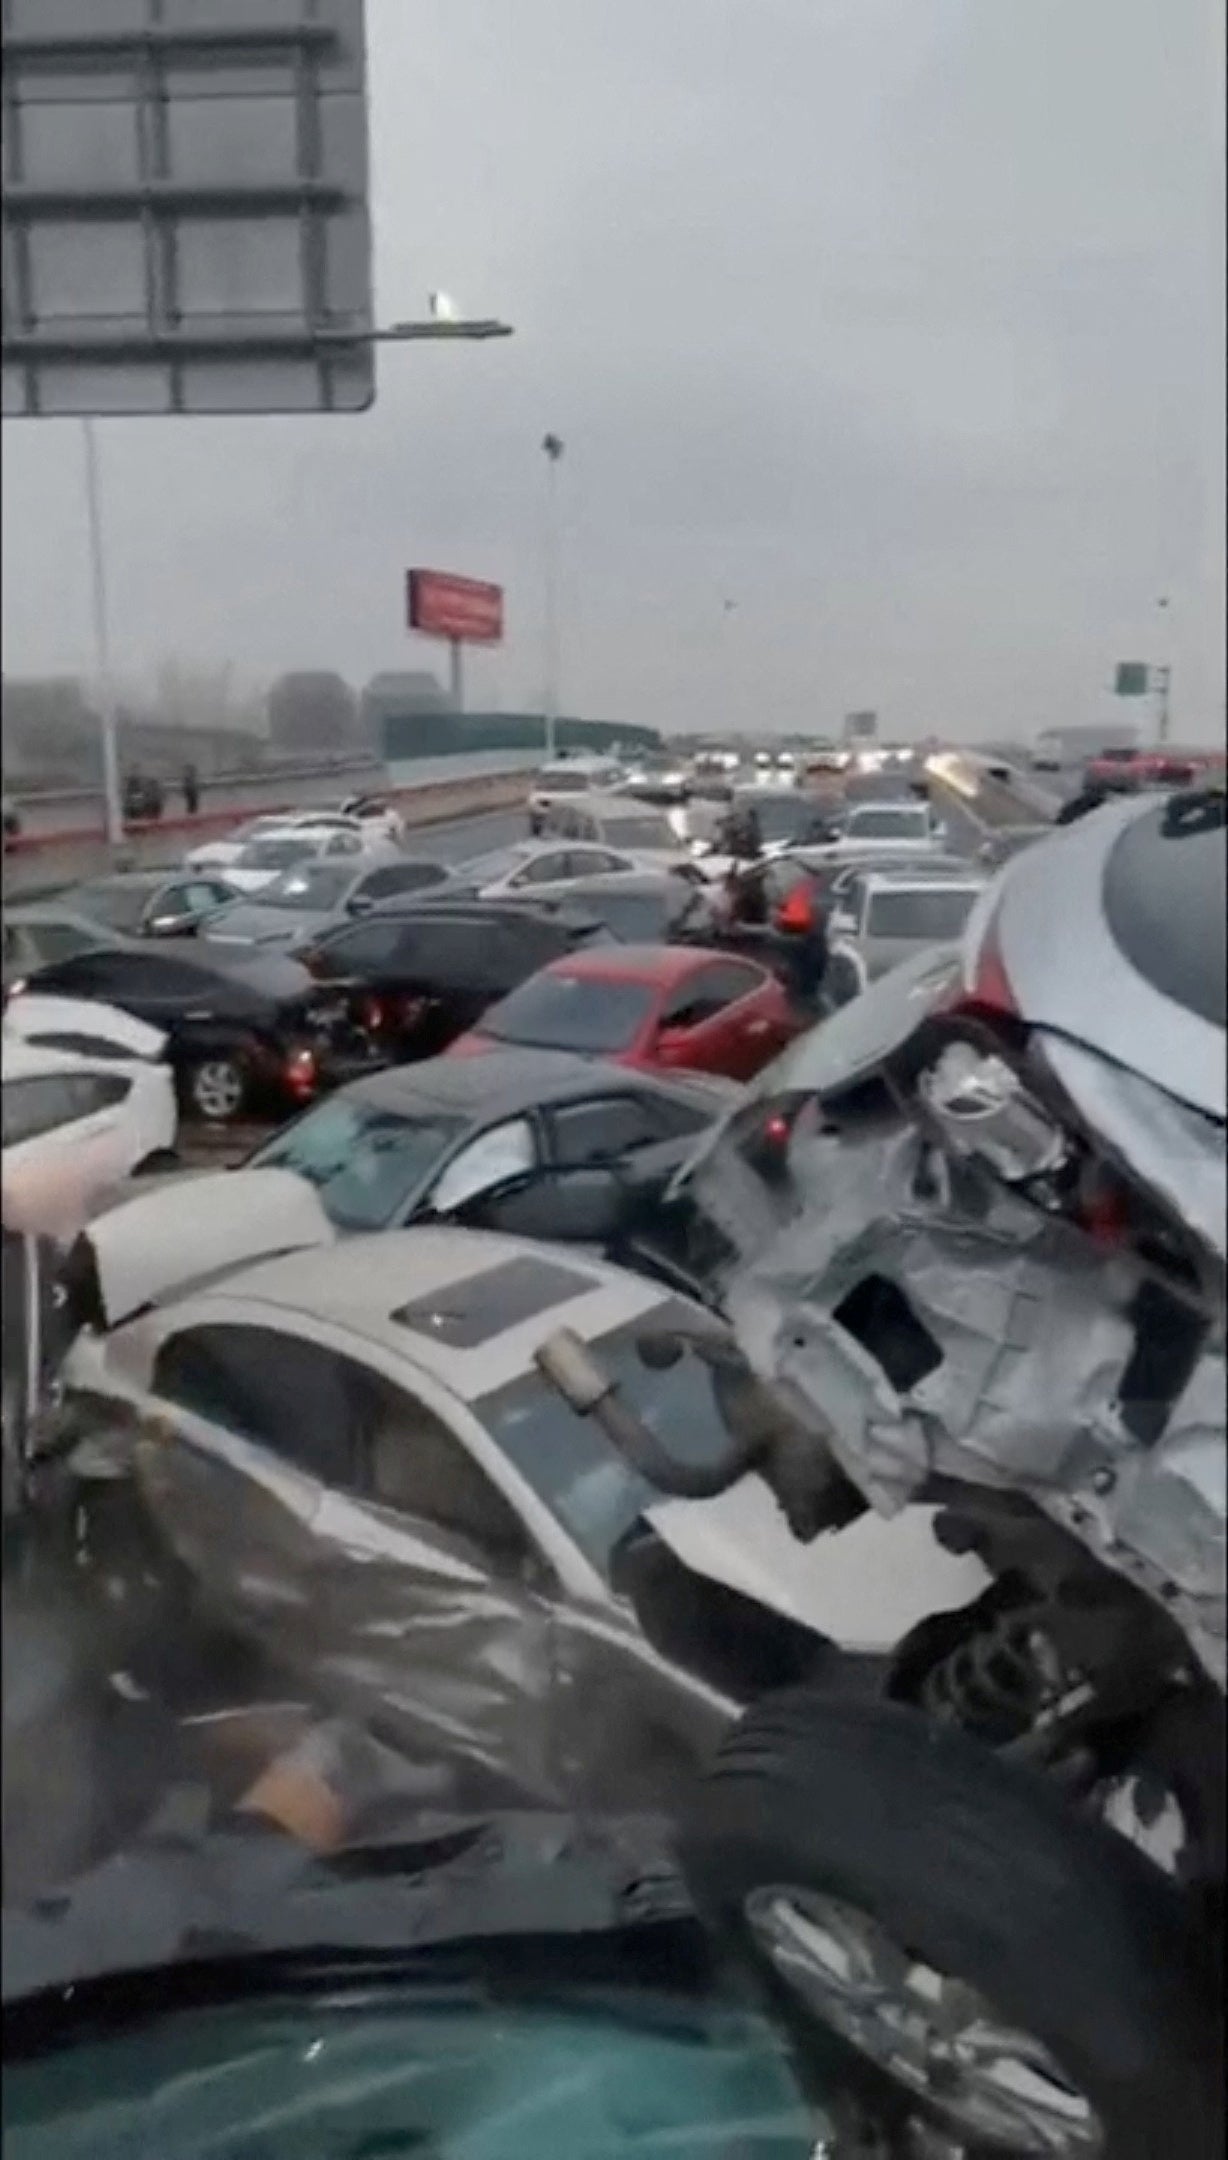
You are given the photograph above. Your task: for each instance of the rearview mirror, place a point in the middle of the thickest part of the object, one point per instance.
(673, 1045)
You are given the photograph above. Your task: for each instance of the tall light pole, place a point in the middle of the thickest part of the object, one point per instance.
(104, 683)
(1164, 678)
(552, 446)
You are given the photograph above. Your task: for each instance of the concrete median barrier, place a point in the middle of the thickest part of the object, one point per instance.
(43, 862)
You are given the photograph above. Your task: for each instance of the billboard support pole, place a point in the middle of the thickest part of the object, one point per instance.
(102, 641)
(456, 673)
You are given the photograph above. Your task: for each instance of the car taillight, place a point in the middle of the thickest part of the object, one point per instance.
(373, 1015)
(301, 1072)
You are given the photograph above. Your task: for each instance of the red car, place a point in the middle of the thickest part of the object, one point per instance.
(647, 1006)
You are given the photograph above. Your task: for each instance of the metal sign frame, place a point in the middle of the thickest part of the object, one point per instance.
(185, 218)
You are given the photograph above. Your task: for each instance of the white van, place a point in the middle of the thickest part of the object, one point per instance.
(564, 779)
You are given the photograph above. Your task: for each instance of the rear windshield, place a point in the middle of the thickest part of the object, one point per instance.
(275, 854)
(563, 783)
(315, 888)
(1164, 901)
(638, 832)
(901, 824)
(365, 1163)
(935, 916)
(585, 1013)
(120, 907)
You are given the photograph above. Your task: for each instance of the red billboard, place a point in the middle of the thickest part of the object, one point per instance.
(459, 608)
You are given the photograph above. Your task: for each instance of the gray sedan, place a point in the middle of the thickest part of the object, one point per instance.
(312, 897)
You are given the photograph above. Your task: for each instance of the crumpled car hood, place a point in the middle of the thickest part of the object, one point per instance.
(1028, 1329)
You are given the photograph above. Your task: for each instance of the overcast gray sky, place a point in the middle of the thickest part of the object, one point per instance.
(897, 323)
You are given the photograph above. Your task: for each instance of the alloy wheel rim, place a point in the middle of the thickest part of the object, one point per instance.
(931, 2034)
(218, 1089)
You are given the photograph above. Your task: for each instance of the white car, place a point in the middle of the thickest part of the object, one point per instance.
(78, 1120)
(376, 815)
(563, 780)
(219, 854)
(545, 867)
(262, 861)
(883, 917)
(629, 829)
(886, 828)
(351, 1449)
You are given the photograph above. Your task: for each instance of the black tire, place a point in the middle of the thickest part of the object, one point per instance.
(980, 1868)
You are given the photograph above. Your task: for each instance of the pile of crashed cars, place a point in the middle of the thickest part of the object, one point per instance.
(531, 1494)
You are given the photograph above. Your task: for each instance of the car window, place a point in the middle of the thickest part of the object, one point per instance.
(275, 1389)
(888, 824)
(543, 869)
(588, 1014)
(639, 832)
(574, 1469)
(637, 918)
(43, 1104)
(366, 1163)
(919, 913)
(600, 1129)
(418, 1466)
(708, 992)
(401, 877)
(506, 1151)
(343, 843)
(275, 854)
(364, 950)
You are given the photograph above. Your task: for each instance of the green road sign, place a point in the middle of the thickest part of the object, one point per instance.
(1133, 678)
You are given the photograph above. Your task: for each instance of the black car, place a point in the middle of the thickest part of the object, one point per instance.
(420, 973)
(243, 1033)
(151, 903)
(43, 932)
(429, 1140)
(644, 907)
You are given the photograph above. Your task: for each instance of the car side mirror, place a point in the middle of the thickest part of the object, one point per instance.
(171, 926)
(359, 903)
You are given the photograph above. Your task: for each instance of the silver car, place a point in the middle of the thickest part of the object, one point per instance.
(350, 1449)
(884, 919)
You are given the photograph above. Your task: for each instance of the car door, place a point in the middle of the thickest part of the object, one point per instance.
(66, 1139)
(552, 868)
(729, 1017)
(341, 1522)
(505, 1151)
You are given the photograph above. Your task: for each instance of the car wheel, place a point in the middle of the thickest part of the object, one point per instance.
(217, 1089)
(1017, 1977)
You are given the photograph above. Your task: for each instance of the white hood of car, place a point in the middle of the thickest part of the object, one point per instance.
(155, 1243)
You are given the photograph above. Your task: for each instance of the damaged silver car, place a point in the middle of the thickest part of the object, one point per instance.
(985, 1269)
(348, 1454)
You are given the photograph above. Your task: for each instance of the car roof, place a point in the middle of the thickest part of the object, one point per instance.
(660, 964)
(663, 883)
(882, 881)
(54, 911)
(467, 1306)
(511, 1079)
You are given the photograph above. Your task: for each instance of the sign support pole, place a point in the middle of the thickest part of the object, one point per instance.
(102, 642)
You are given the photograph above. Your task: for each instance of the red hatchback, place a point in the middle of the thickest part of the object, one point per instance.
(649, 1006)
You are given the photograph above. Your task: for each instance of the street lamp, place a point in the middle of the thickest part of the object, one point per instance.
(1164, 679)
(443, 323)
(552, 448)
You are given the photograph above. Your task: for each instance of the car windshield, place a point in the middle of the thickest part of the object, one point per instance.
(315, 888)
(921, 912)
(887, 824)
(564, 783)
(571, 1465)
(275, 854)
(366, 1162)
(595, 1014)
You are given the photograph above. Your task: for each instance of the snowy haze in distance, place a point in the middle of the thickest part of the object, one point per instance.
(897, 324)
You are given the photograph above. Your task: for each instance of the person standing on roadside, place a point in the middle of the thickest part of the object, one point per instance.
(191, 790)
